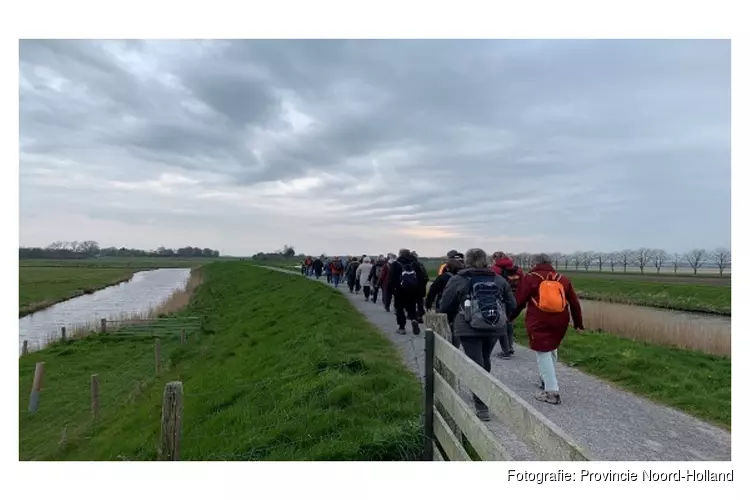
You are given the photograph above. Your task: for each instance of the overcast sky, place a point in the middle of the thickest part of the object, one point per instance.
(368, 146)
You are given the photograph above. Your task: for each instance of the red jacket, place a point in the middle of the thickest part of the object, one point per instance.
(546, 330)
(384, 275)
(505, 263)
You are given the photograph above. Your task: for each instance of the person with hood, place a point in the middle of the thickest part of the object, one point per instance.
(363, 276)
(422, 287)
(351, 275)
(551, 303)
(478, 304)
(317, 266)
(337, 270)
(405, 280)
(513, 274)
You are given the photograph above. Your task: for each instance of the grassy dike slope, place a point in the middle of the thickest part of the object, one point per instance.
(285, 369)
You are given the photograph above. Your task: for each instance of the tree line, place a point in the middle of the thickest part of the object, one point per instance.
(640, 258)
(88, 249)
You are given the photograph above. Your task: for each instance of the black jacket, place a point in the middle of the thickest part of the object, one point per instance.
(436, 290)
(394, 273)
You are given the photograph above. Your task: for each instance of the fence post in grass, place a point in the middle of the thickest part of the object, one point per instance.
(157, 356)
(171, 422)
(36, 387)
(94, 396)
(25, 348)
(429, 394)
(63, 333)
(183, 339)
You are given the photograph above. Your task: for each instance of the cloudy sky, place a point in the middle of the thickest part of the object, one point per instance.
(367, 146)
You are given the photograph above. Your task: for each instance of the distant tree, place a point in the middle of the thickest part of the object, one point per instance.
(613, 258)
(659, 256)
(566, 258)
(723, 258)
(288, 251)
(600, 258)
(625, 258)
(696, 258)
(555, 256)
(577, 259)
(643, 257)
(676, 259)
(587, 258)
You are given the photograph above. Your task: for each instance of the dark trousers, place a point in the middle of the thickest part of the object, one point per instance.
(387, 298)
(328, 277)
(479, 349)
(406, 307)
(420, 302)
(506, 341)
(375, 291)
(366, 291)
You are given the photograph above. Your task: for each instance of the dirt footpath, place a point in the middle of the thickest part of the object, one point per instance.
(611, 423)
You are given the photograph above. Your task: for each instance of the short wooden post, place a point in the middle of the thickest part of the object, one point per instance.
(95, 396)
(183, 339)
(104, 325)
(429, 395)
(63, 333)
(36, 387)
(25, 348)
(171, 422)
(157, 356)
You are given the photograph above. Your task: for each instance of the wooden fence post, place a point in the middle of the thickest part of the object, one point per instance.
(94, 396)
(63, 333)
(429, 395)
(104, 325)
(157, 356)
(171, 422)
(36, 387)
(25, 348)
(438, 322)
(183, 339)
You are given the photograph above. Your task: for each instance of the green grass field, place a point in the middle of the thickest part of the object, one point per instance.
(696, 383)
(265, 381)
(684, 297)
(40, 287)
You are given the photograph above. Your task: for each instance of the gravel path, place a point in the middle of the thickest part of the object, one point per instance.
(611, 423)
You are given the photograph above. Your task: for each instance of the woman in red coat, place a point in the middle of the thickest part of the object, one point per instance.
(546, 329)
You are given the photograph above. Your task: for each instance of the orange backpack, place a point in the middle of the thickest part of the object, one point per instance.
(551, 294)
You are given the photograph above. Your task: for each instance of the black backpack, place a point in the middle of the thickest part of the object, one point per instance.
(409, 278)
(512, 276)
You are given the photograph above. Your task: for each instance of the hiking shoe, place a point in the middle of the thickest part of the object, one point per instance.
(387, 309)
(552, 398)
(504, 355)
(512, 352)
(401, 331)
(483, 415)
(415, 327)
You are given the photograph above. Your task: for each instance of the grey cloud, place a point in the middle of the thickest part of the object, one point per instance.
(520, 138)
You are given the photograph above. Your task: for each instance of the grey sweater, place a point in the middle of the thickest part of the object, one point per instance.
(455, 293)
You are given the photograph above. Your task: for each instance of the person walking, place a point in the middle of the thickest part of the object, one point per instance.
(513, 274)
(453, 266)
(422, 287)
(337, 269)
(404, 282)
(551, 303)
(452, 254)
(478, 303)
(317, 266)
(385, 282)
(351, 275)
(374, 277)
(363, 276)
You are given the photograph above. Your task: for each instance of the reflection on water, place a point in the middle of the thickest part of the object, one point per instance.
(147, 289)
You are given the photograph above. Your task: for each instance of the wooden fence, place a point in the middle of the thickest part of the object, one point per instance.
(450, 424)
